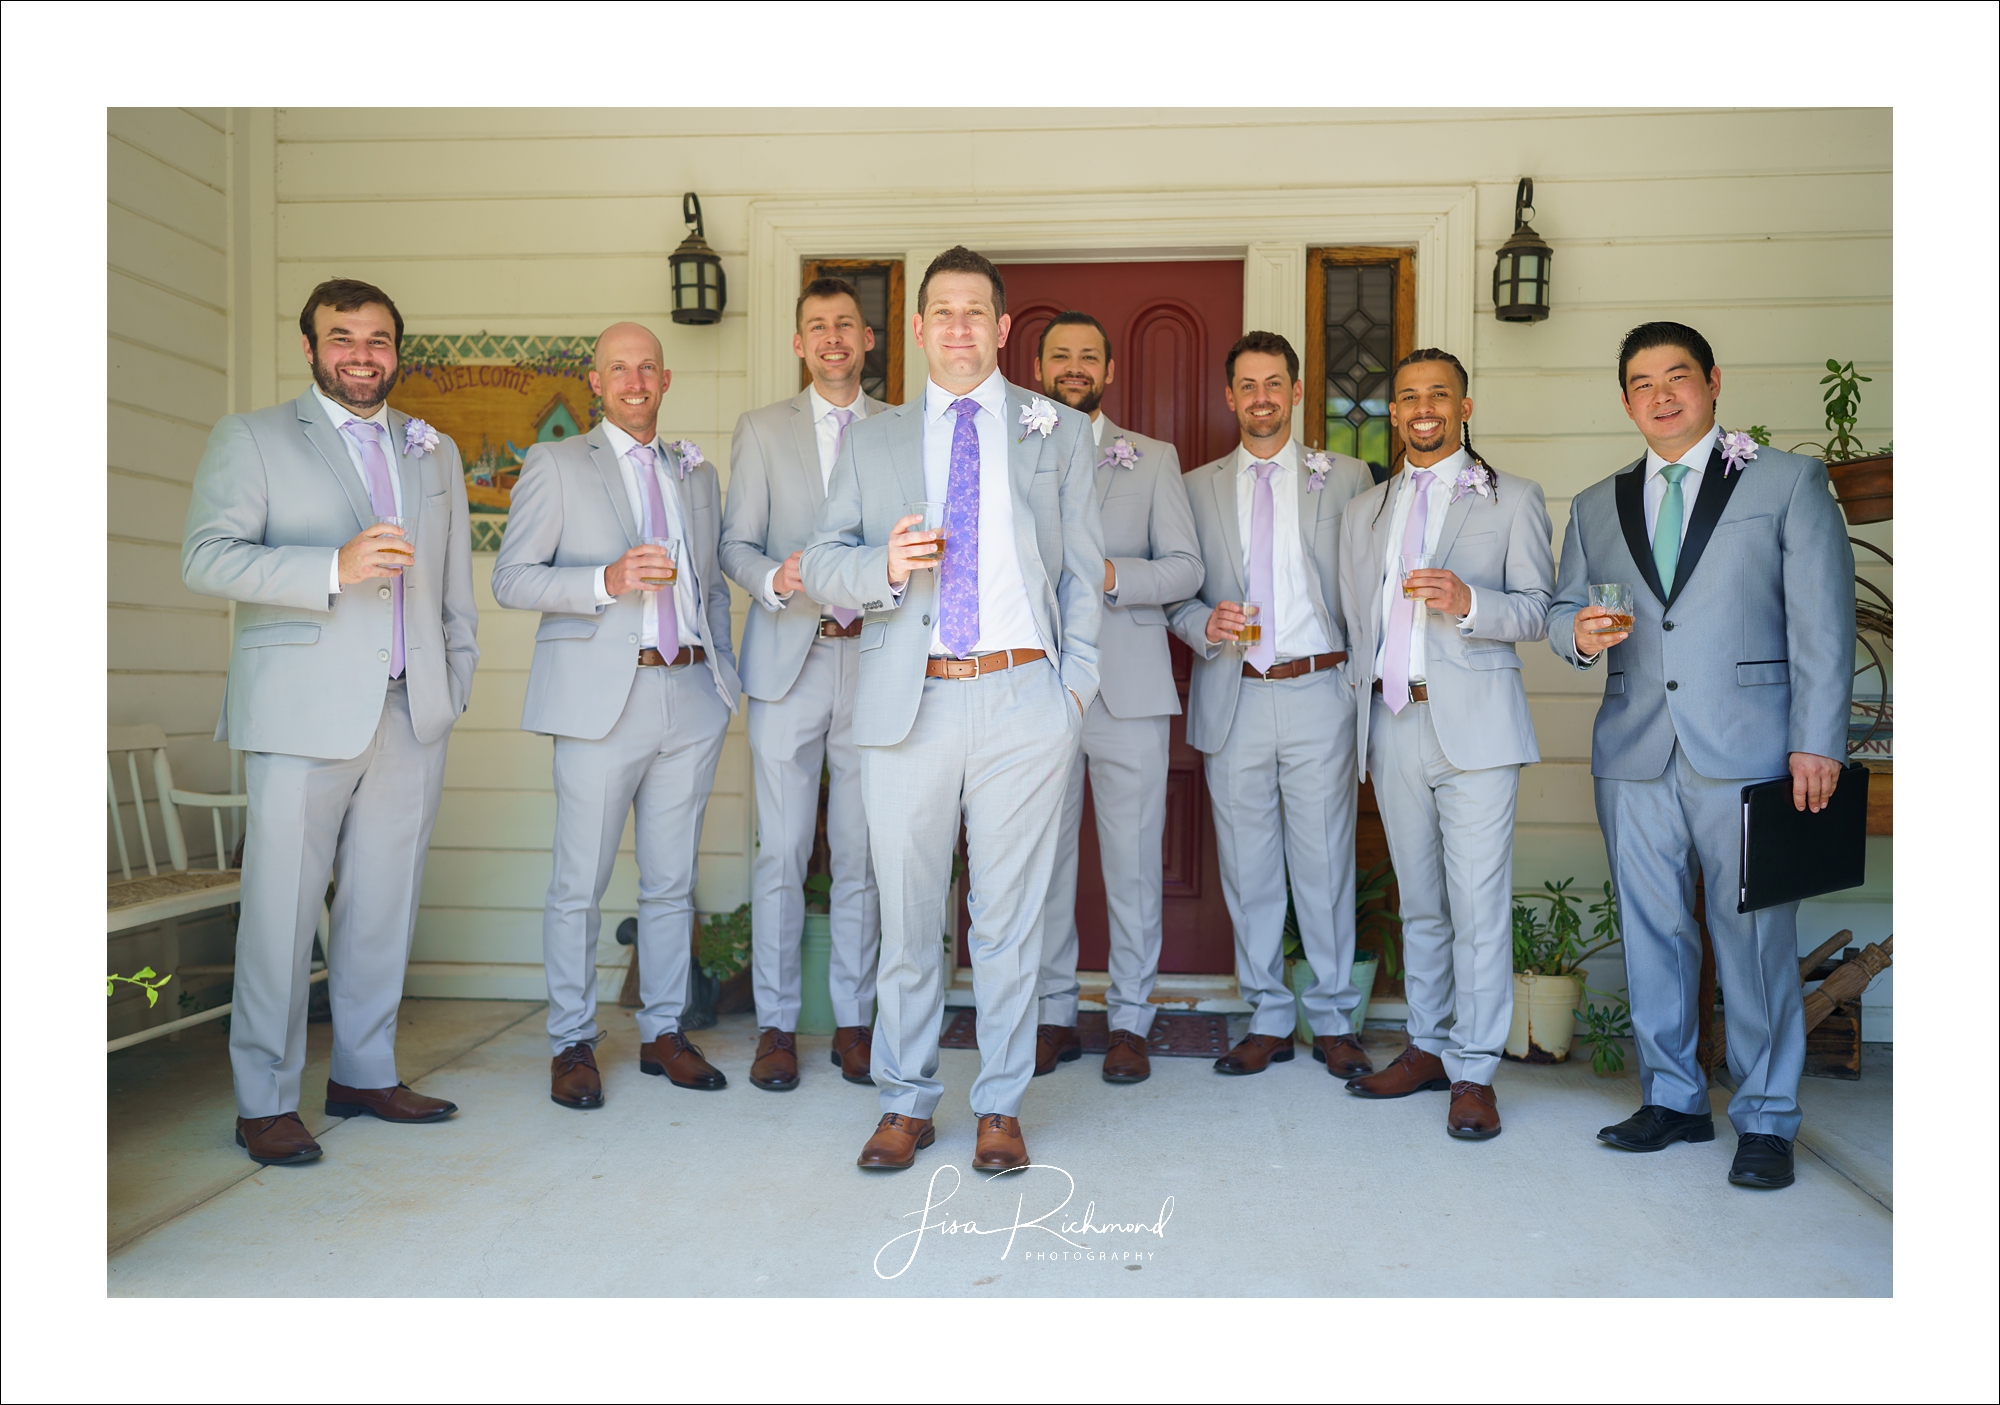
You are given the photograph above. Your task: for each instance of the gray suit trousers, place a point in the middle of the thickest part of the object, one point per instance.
(789, 739)
(1656, 831)
(366, 823)
(1451, 838)
(996, 748)
(1128, 785)
(657, 763)
(1283, 790)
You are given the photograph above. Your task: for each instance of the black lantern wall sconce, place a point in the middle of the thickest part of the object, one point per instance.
(699, 287)
(1521, 272)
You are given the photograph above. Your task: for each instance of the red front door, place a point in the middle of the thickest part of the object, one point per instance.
(1170, 326)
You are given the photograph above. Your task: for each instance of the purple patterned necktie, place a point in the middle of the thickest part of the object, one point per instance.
(367, 438)
(958, 574)
(841, 420)
(1263, 512)
(645, 464)
(1403, 613)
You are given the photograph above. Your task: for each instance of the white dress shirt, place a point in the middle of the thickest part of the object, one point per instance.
(1290, 616)
(1439, 493)
(340, 415)
(687, 607)
(1656, 487)
(826, 435)
(1005, 621)
(1097, 429)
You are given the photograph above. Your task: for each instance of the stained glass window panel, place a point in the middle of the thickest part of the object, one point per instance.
(1358, 323)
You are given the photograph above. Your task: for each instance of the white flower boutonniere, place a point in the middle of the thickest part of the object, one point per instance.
(1121, 454)
(1038, 415)
(419, 438)
(687, 456)
(1738, 449)
(1319, 463)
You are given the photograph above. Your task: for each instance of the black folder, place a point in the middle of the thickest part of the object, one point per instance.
(1789, 854)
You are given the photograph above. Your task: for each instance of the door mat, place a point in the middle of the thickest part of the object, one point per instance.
(1177, 1036)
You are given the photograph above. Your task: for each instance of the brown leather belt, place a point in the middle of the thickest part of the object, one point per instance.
(653, 658)
(981, 663)
(1419, 692)
(830, 628)
(1318, 663)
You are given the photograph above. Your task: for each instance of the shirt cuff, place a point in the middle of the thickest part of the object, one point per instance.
(597, 586)
(333, 576)
(896, 591)
(769, 598)
(1472, 612)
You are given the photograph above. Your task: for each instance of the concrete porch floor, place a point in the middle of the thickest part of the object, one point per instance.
(1280, 1184)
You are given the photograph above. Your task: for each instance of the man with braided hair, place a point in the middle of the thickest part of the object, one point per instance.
(1442, 722)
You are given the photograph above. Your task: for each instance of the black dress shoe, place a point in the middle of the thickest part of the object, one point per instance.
(1763, 1161)
(1653, 1127)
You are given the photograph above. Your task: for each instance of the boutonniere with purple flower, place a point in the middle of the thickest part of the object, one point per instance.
(687, 456)
(1738, 449)
(1319, 463)
(418, 438)
(1121, 454)
(1038, 415)
(1475, 477)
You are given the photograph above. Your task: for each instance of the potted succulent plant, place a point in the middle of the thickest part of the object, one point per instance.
(1863, 481)
(721, 953)
(1549, 953)
(1371, 915)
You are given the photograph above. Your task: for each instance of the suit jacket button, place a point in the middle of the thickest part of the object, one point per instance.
(1671, 685)
(385, 592)
(382, 654)
(631, 639)
(927, 619)
(1666, 624)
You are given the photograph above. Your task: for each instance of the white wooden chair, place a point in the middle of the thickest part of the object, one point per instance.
(137, 901)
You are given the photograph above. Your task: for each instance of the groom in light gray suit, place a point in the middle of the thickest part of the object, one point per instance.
(339, 527)
(1442, 724)
(612, 536)
(1151, 560)
(1271, 715)
(1737, 667)
(800, 663)
(973, 686)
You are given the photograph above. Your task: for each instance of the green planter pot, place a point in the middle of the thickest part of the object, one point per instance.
(816, 962)
(1299, 975)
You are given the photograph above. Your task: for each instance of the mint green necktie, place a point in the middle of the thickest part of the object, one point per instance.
(1667, 527)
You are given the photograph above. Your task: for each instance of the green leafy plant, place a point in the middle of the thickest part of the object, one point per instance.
(723, 948)
(1604, 1028)
(1371, 914)
(144, 978)
(1551, 943)
(1843, 411)
(1760, 434)
(819, 893)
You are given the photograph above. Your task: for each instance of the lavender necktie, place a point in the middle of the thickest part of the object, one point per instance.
(958, 574)
(1403, 613)
(645, 465)
(1263, 512)
(367, 438)
(841, 420)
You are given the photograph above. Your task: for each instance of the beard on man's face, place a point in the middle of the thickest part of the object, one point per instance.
(1085, 400)
(365, 395)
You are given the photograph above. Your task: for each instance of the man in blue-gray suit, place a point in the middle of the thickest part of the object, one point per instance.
(973, 686)
(1735, 667)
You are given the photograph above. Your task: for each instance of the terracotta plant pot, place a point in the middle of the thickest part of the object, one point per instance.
(1544, 1018)
(1865, 487)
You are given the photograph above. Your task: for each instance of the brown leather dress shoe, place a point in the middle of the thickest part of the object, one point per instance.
(682, 1064)
(1343, 1056)
(896, 1142)
(1127, 1061)
(1256, 1053)
(276, 1141)
(1000, 1146)
(853, 1048)
(1474, 1115)
(1055, 1044)
(776, 1067)
(573, 1077)
(1413, 1071)
(397, 1104)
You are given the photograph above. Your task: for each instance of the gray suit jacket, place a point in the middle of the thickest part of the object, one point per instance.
(569, 515)
(774, 494)
(1149, 539)
(1751, 657)
(1499, 546)
(1218, 670)
(275, 498)
(1056, 533)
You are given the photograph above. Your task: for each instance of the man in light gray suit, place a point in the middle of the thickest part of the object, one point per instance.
(612, 536)
(1271, 713)
(339, 527)
(1442, 724)
(1151, 561)
(800, 662)
(1736, 667)
(973, 687)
